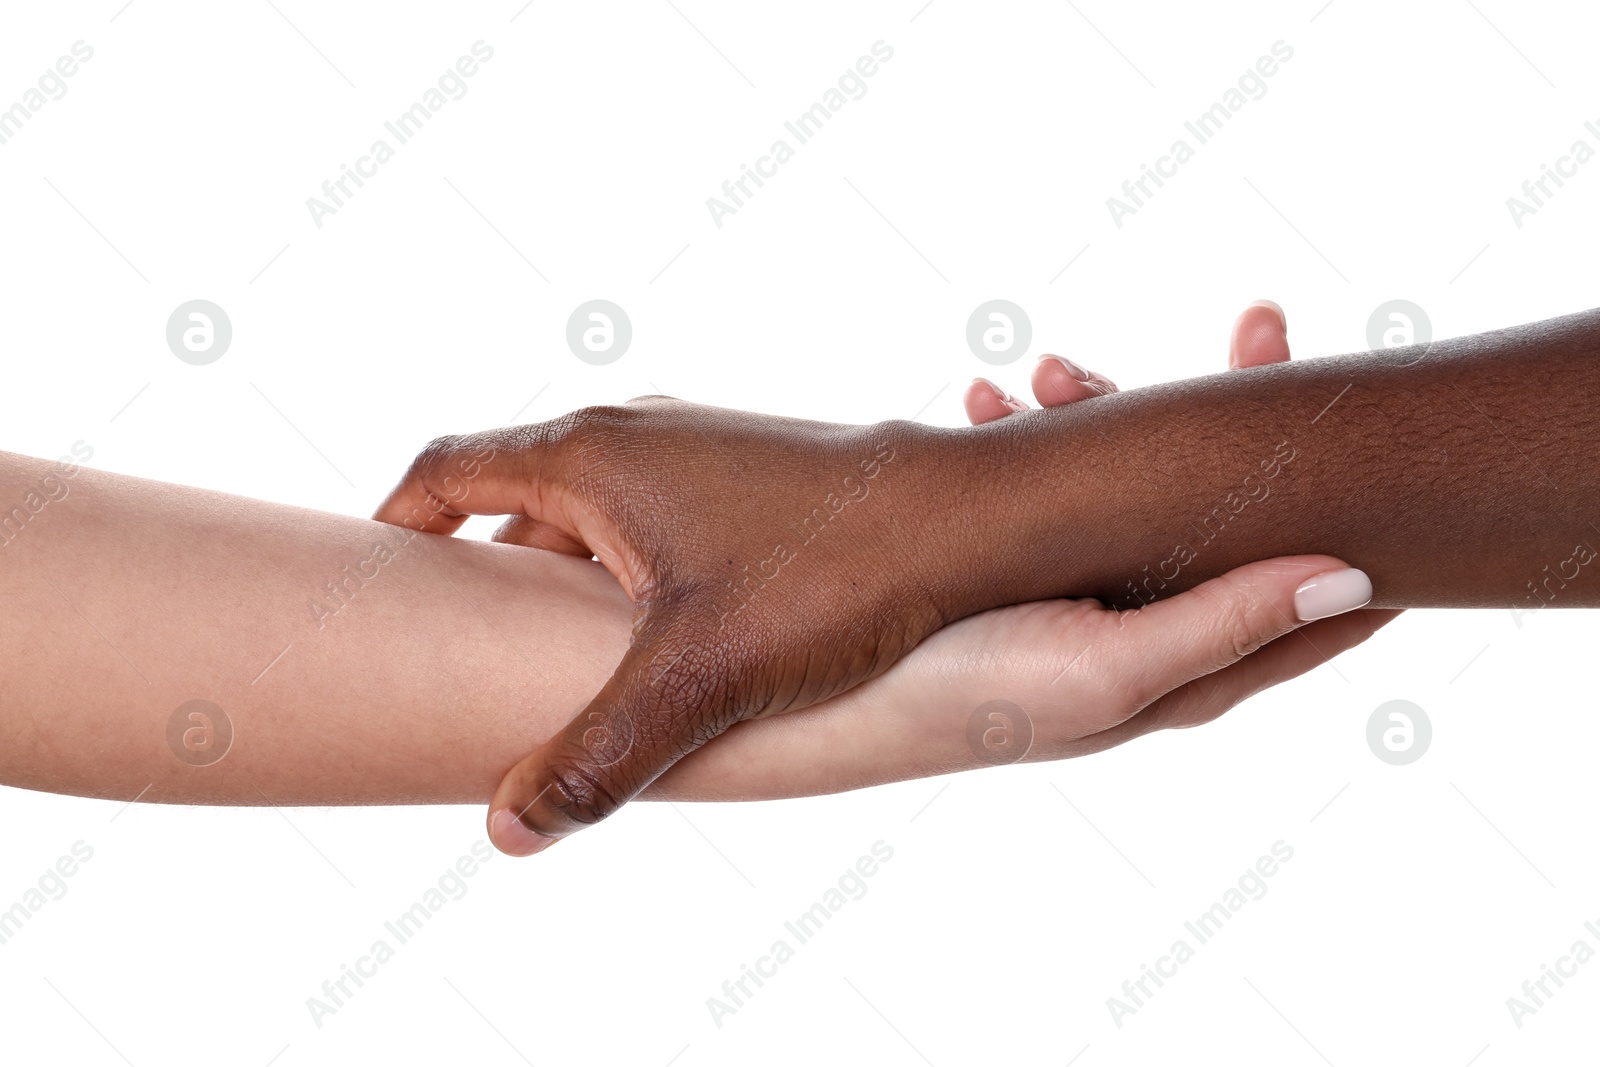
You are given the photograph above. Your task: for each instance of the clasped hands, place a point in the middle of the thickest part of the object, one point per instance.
(777, 564)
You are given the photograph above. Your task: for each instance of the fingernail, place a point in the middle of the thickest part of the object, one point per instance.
(1002, 393)
(1273, 304)
(1072, 368)
(1332, 593)
(513, 838)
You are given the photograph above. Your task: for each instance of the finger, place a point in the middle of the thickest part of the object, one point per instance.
(844, 745)
(490, 473)
(1169, 643)
(986, 401)
(1209, 697)
(531, 533)
(1057, 380)
(1260, 336)
(655, 709)
(517, 470)
(1283, 658)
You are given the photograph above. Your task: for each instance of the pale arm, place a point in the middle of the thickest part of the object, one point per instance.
(418, 681)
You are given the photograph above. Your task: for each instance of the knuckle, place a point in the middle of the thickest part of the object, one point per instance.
(692, 676)
(1126, 688)
(696, 677)
(1190, 706)
(581, 794)
(434, 453)
(582, 429)
(1135, 692)
(596, 417)
(1242, 633)
(1207, 704)
(1239, 621)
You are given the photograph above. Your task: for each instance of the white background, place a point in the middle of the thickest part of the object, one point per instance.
(1377, 166)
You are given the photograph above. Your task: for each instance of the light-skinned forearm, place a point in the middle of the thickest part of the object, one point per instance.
(346, 679)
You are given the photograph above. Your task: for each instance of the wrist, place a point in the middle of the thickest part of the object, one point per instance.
(969, 508)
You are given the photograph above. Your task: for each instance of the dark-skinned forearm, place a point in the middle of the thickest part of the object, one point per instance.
(1457, 475)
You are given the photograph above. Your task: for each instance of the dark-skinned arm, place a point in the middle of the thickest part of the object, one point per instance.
(1456, 475)
(776, 562)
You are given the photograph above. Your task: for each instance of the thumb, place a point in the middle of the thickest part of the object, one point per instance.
(660, 704)
(1219, 622)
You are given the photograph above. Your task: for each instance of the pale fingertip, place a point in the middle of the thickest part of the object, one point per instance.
(1071, 368)
(1283, 319)
(1332, 593)
(999, 392)
(511, 836)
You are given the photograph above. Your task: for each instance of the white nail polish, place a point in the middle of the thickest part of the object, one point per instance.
(1332, 593)
(1001, 393)
(1273, 304)
(1072, 368)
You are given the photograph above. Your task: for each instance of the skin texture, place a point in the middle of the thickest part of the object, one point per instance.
(422, 678)
(1452, 474)
(127, 599)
